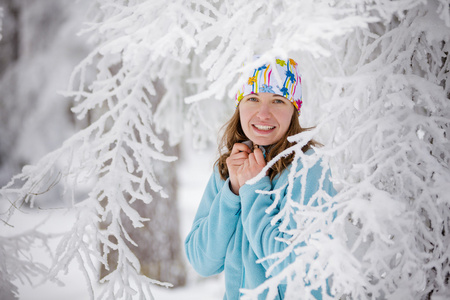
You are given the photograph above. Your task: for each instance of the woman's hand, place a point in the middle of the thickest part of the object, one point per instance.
(239, 154)
(251, 166)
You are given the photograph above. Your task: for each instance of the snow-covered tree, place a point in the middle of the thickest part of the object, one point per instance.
(392, 96)
(35, 56)
(34, 38)
(375, 77)
(387, 126)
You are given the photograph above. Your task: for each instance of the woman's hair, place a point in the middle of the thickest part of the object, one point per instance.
(234, 134)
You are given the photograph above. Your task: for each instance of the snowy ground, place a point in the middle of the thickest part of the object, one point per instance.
(195, 168)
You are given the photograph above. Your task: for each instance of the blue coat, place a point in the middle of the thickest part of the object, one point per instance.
(231, 232)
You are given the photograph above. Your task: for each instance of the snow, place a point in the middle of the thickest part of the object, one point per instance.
(378, 95)
(194, 170)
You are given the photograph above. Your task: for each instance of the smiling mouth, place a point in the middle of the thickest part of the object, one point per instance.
(263, 127)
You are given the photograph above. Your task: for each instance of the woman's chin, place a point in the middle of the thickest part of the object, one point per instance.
(262, 141)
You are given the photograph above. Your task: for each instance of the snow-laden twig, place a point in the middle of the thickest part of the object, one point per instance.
(375, 78)
(17, 263)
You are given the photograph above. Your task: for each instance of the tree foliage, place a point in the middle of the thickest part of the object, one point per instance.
(375, 77)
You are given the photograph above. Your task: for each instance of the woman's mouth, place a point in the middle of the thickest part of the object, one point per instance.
(263, 127)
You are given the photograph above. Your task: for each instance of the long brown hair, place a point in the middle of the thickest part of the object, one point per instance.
(233, 133)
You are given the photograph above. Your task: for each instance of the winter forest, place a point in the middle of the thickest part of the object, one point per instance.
(110, 112)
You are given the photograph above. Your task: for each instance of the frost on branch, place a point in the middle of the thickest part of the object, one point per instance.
(389, 115)
(386, 126)
(113, 158)
(376, 86)
(303, 265)
(17, 262)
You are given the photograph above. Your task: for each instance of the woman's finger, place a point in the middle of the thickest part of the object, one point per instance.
(236, 161)
(251, 159)
(239, 155)
(259, 157)
(240, 147)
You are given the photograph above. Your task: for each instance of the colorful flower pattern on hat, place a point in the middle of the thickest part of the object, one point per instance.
(263, 80)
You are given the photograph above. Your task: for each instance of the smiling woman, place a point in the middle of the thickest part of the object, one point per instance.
(265, 117)
(232, 230)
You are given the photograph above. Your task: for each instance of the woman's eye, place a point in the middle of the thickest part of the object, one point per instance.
(252, 99)
(278, 101)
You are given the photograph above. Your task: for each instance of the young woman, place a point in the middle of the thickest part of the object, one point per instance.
(232, 230)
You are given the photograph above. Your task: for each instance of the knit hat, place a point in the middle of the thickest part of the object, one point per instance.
(263, 80)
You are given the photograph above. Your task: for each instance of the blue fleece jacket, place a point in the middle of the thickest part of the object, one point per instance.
(231, 232)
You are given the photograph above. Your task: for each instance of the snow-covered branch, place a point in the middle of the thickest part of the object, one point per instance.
(17, 262)
(376, 87)
(390, 141)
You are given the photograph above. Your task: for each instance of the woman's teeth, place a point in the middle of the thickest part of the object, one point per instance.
(264, 127)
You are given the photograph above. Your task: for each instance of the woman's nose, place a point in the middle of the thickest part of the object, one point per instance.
(263, 111)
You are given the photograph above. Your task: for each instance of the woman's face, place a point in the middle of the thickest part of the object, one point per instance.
(265, 117)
